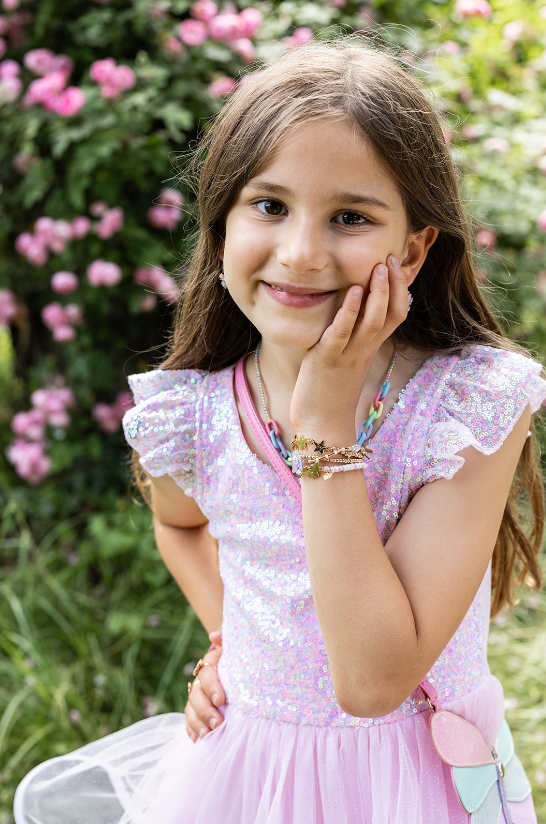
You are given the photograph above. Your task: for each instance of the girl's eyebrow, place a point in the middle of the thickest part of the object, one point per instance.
(344, 197)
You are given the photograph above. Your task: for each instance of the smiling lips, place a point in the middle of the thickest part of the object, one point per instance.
(296, 296)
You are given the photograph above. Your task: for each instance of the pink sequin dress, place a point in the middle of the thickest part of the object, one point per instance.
(286, 752)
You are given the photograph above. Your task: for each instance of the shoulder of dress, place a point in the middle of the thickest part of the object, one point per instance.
(146, 385)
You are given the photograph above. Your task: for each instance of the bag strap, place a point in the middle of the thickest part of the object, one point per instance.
(261, 432)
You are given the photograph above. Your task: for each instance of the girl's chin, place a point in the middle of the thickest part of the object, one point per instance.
(289, 338)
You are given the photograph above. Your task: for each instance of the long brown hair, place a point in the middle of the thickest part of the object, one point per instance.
(372, 90)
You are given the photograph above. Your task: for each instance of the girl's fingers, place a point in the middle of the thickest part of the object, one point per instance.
(211, 686)
(337, 335)
(192, 723)
(398, 298)
(216, 637)
(205, 716)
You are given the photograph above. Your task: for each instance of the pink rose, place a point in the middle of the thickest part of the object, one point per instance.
(192, 32)
(22, 162)
(29, 424)
(163, 217)
(160, 281)
(110, 223)
(473, 8)
(470, 132)
(23, 242)
(73, 313)
(44, 227)
(302, 35)
(103, 273)
(60, 234)
(63, 63)
(252, 19)
(10, 89)
(496, 144)
(98, 208)
(226, 27)
(103, 71)
(289, 42)
(29, 460)
(63, 333)
(10, 5)
(541, 220)
(204, 10)
(224, 85)
(39, 61)
(245, 48)
(513, 31)
(8, 307)
(451, 47)
(124, 78)
(70, 102)
(53, 315)
(36, 252)
(43, 89)
(171, 197)
(486, 239)
(53, 403)
(339, 4)
(64, 282)
(80, 226)
(148, 303)
(174, 45)
(9, 68)
(107, 417)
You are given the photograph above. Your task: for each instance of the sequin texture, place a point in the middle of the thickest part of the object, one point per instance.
(274, 662)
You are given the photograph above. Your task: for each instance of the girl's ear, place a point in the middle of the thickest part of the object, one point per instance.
(416, 251)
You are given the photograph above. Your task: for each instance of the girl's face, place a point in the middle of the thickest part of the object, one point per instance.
(306, 227)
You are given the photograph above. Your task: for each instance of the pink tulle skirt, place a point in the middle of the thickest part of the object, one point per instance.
(260, 771)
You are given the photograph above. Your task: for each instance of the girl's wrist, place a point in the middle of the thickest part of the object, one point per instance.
(332, 434)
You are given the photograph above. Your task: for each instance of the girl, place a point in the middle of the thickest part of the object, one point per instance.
(354, 609)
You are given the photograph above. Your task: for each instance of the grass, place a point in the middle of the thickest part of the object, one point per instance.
(95, 636)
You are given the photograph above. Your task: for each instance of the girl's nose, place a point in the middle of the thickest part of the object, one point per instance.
(302, 247)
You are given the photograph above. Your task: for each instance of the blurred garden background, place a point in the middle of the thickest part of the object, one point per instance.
(97, 99)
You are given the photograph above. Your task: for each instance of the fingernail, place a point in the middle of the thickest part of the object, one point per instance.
(356, 291)
(194, 738)
(382, 271)
(213, 722)
(395, 261)
(202, 732)
(215, 698)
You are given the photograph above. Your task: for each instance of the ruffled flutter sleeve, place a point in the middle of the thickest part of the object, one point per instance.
(163, 425)
(482, 395)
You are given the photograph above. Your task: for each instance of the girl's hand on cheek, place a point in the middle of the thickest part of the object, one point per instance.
(334, 370)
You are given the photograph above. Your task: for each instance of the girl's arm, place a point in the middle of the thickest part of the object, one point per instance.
(386, 613)
(190, 554)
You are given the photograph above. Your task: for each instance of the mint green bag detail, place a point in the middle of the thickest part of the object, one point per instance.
(485, 779)
(477, 786)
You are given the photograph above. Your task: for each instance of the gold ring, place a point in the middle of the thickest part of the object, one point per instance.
(201, 663)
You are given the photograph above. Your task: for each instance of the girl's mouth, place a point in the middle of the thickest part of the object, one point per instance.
(296, 296)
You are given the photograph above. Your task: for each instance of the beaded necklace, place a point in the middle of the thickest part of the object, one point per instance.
(364, 432)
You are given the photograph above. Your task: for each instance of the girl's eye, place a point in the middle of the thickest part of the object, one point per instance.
(272, 207)
(353, 219)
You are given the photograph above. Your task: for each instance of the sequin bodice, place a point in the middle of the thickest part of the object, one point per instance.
(274, 662)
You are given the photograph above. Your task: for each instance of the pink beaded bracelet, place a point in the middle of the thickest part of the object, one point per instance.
(328, 471)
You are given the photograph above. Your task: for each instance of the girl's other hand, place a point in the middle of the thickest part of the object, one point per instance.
(207, 694)
(334, 370)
